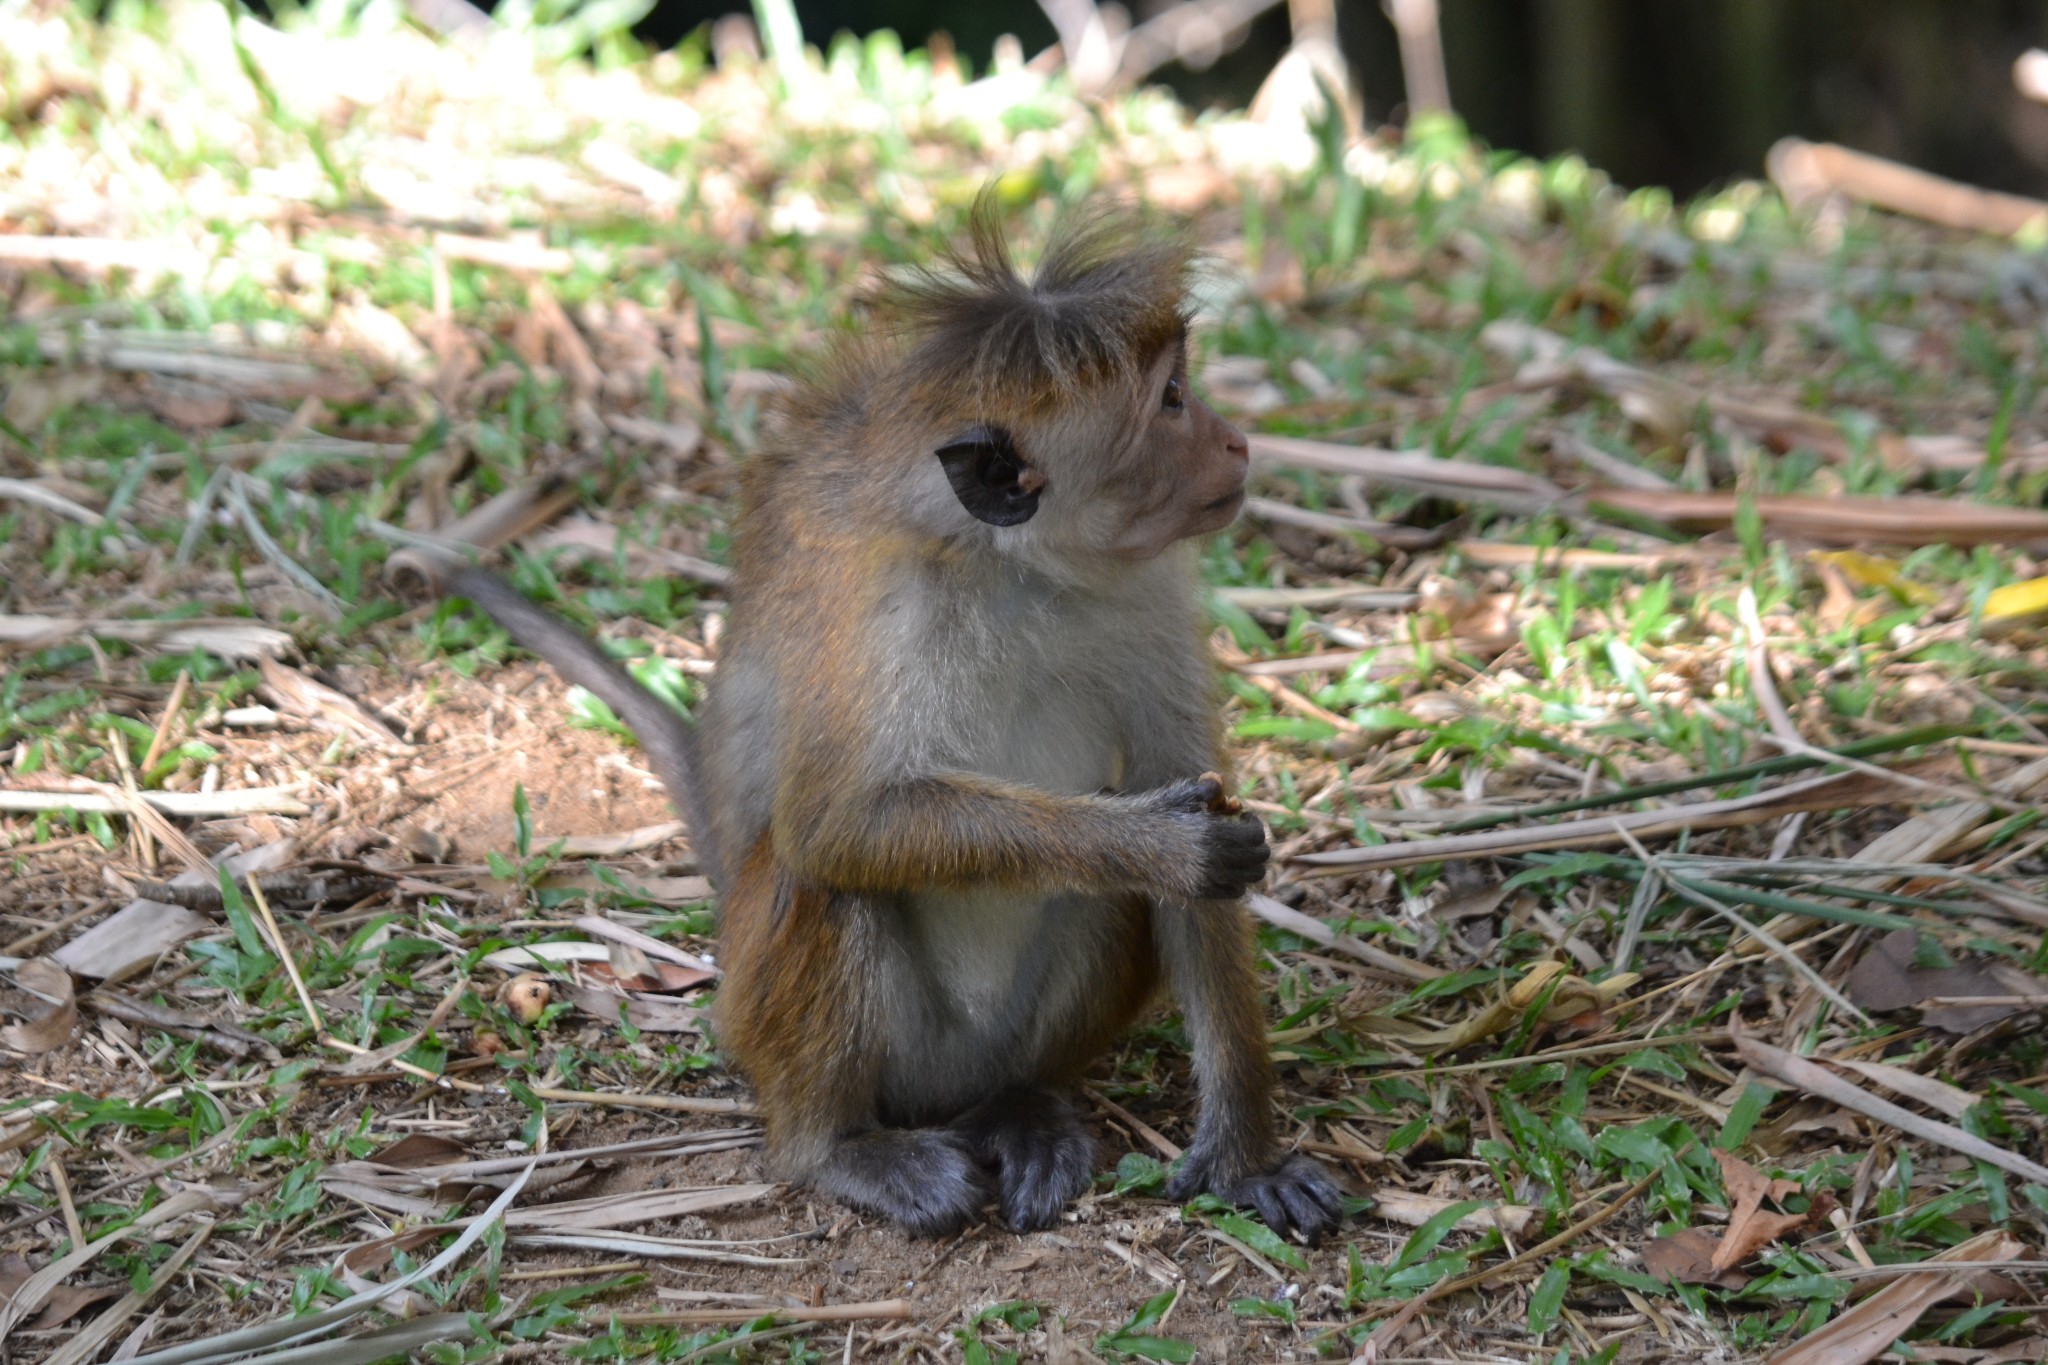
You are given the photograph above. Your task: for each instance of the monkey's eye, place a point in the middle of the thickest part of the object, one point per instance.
(1173, 400)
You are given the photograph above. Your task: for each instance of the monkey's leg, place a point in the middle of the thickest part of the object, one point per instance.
(923, 1178)
(1043, 1156)
(1205, 947)
(1077, 1001)
(804, 970)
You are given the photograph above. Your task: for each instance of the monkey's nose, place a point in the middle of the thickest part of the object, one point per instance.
(1237, 446)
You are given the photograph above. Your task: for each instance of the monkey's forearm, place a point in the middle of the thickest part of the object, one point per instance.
(1206, 949)
(964, 830)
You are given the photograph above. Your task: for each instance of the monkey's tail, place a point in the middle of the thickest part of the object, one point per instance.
(669, 741)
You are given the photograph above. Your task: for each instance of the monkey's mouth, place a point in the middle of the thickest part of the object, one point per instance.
(1225, 507)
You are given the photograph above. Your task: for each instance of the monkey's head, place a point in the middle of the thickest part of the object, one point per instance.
(1057, 411)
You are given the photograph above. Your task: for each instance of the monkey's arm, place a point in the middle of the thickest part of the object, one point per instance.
(958, 829)
(1206, 950)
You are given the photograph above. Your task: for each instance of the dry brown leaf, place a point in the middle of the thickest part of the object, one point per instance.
(1020, 1260)
(1474, 902)
(647, 1013)
(1868, 1329)
(372, 1257)
(1487, 619)
(65, 1301)
(34, 395)
(191, 407)
(1839, 605)
(129, 940)
(661, 978)
(1687, 1256)
(630, 968)
(1886, 979)
(46, 1005)
(419, 1150)
(1751, 1226)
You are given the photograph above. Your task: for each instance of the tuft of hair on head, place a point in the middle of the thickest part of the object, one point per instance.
(1109, 294)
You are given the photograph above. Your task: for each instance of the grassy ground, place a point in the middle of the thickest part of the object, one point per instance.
(277, 306)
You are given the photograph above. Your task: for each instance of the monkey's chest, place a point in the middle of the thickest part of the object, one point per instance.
(1046, 719)
(1066, 751)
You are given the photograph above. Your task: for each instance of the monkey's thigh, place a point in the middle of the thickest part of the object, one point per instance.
(988, 991)
(805, 977)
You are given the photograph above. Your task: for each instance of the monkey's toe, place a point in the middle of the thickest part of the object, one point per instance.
(1040, 1171)
(923, 1178)
(1296, 1195)
(1042, 1155)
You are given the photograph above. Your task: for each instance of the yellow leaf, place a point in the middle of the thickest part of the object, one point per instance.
(1873, 571)
(2015, 600)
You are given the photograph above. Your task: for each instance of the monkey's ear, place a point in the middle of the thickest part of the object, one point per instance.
(990, 478)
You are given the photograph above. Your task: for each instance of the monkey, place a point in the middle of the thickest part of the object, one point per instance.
(958, 779)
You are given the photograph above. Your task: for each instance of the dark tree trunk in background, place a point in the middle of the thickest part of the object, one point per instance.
(1576, 76)
(1685, 93)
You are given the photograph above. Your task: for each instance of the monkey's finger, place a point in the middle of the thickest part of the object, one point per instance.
(1247, 862)
(1313, 1200)
(1193, 797)
(1243, 837)
(1222, 803)
(1266, 1199)
(1246, 829)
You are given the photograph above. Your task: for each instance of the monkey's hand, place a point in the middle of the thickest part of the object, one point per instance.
(1294, 1195)
(1228, 849)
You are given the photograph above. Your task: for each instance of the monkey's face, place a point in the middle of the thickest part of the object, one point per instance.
(1185, 470)
(1122, 473)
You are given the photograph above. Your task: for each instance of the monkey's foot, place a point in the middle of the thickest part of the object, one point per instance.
(1043, 1157)
(1295, 1195)
(924, 1178)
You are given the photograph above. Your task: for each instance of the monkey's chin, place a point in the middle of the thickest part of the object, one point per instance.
(1214, 516)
